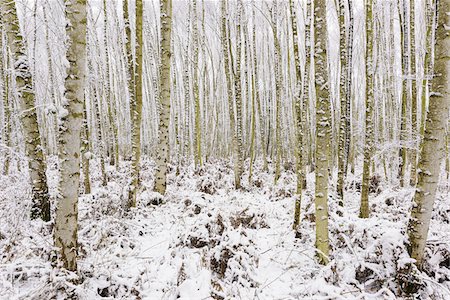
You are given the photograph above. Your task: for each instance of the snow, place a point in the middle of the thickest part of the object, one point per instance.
(205, 240)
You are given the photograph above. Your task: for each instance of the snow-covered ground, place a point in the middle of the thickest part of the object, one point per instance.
(205, 240)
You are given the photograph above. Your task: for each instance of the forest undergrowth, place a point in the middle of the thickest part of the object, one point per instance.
(206, 240)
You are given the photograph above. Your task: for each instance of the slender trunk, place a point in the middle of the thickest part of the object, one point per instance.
(227, 67)
(432, 147)
(24, 84)
(298, 115)
(364, 208)
(66, 221)
(85, 151)
(405, 69)
(343, 104)
(238, 92)
(164, 97)
(115, 144)
(323, 125)
(277, 57)
(197, 115)
(5, 100)
(135, 85)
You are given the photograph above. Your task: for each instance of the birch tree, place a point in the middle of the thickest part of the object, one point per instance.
(136, 103)
(69, 143)
(323, 125)
(226, 55)
(364, 208)
(433, 144)
(298, 115)
(5, 97)
(164, 97)
(25, 93)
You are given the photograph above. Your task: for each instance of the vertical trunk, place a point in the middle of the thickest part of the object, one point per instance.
(5, 99)
(66, 221)
(226, 53)
(253, 117)
(405, 70)
(164, 97)
(343, 105)
(364, 208)
(85, 151)
(307, 81)
(414, 81)
(348, 87)
(53, 88)
(298, 115)
(24, 84)
(432, 148)
(277, 57)
(187, 94)
(258, 96)
(135, 101)
(323, 125)
(197, 115)
(115, 144)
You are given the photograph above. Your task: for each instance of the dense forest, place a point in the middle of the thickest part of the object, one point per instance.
(224, 149)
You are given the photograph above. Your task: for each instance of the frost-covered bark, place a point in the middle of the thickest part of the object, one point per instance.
(298, 115)
(25, 93)
(86, 156)
(323, 125)
(108, 93)
(364, 208)
(54, 94)
(343, 129)
(433, 144)
(278, 62)
(258, 96)
(348, 86)
(412, 13)
(405, 93)
(69, 144)
(197, 115)
(136, 105)
(307, 82)
(164, 97)
(5, 99)
(238, 94)
(226, 55)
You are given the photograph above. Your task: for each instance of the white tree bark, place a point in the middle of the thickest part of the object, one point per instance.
(433, 144)
(69, 144)
(164, 97)
(24, 84)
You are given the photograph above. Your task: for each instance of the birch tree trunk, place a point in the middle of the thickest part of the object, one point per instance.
(136, 104)
(226, 54)
(432, 147)
(298, 115)
(66, 221)
(164, 97)
(323, 124)
(197, 115)
(343, 105)
(278, 62)
(405, 94)
(414, 82)
(5, 98)
(238, 94)
(258, 96)
(24, 84)
(113, 133)
(364, 208)
(85, 151)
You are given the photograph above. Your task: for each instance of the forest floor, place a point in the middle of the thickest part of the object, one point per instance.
(205, 240)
